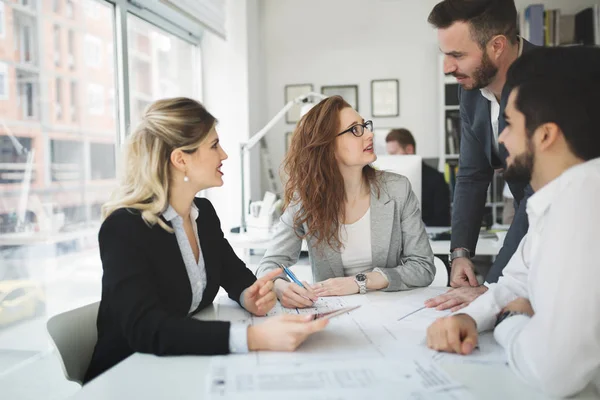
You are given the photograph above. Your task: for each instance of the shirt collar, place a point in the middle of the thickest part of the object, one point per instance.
(485, 92)
(540, 201)
(170, 214)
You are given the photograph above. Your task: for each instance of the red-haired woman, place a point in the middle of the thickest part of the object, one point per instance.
(363, 227)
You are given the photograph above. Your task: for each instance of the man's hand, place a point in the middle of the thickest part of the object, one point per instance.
(259, 298)
(455, 299)
(454, 334)
(462, 273)
(293, 296)
(284, 332)
(521, 305)
(336, 287)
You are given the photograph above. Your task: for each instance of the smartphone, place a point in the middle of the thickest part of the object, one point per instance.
(332, 314)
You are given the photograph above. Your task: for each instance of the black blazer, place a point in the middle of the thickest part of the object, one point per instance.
(435, 197)
(477, 162)
(146, 293)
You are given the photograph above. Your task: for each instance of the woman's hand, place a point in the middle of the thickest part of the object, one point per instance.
(284, 332)
(293, 296)
(336, 287)
(259, 298)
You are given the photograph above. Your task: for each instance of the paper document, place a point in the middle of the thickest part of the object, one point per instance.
(488, 351)
(334, 380)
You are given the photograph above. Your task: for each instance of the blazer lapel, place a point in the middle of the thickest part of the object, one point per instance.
(334, 258)
(488, 131)
(174, 262)
(209, 249)
(382, 221)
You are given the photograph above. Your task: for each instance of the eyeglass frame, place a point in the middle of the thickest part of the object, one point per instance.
(364, 126)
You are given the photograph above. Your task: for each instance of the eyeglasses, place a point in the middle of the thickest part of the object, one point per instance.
(359, 129)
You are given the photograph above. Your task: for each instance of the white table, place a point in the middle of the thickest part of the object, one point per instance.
(485, 246)
(144, 376)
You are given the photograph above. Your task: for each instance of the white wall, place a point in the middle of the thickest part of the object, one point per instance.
(337, 42)
(231, 78)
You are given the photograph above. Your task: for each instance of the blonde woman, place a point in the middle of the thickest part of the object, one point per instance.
(164, 255)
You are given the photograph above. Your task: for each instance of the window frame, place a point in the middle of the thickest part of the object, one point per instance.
(164, 18)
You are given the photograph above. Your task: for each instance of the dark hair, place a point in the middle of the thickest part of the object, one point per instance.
(402, 136)
(486, 18)
(315, 179)
(561, 85)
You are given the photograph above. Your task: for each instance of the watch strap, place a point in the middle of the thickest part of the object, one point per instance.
(460, 252)
(506, 314)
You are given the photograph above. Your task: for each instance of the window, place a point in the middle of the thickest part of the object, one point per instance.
(56, 45)
(102, 157)
(70, 9)
(26, 37)
(4, 95)
(26, 83)
(58, 100)
(13, 158)
(93, 51)
(71, 48)
(2, 21)
(28, 4)
(66, 157)
(95, 96)
(59, 130)
(74, 101)
(160, 65)
(92, 9)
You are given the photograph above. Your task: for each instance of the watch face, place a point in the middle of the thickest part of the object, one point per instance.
(361, 277)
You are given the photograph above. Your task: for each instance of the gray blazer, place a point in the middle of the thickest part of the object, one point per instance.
(399, 243)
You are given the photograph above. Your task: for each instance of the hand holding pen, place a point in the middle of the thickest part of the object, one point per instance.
(294, 294)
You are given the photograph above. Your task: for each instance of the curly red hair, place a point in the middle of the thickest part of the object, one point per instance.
(314, 178)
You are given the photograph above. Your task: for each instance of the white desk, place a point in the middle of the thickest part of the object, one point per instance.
(485, 246)
(143, 376)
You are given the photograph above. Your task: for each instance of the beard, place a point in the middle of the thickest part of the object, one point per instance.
(483, 75)
(521, 168)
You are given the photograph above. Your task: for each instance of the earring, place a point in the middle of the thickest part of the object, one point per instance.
(185, 178)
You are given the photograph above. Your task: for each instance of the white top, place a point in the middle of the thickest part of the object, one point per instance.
(494, 105)
(556, 268)
(356, 245)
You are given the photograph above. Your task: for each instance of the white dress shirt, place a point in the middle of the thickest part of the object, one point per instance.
(238, 335)
(556, 267)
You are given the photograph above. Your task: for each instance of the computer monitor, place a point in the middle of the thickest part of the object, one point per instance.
(408, 165)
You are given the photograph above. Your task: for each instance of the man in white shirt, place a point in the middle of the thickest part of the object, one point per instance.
(545, 310)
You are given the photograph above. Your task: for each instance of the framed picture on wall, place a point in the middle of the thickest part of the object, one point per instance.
(292, 92)
(348, 93)
(385, 98)
(288, 141)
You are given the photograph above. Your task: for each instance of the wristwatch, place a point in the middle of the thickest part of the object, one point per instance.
(361, 281)
(505, 315)
(458, 253)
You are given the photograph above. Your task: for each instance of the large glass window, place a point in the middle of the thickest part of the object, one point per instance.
(59, 126)
(160, 65)
(57, 159)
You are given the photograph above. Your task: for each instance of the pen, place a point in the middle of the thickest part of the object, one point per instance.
(289, 273)
(411, 313)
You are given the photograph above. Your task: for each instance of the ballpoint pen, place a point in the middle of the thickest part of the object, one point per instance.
(291, 275)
